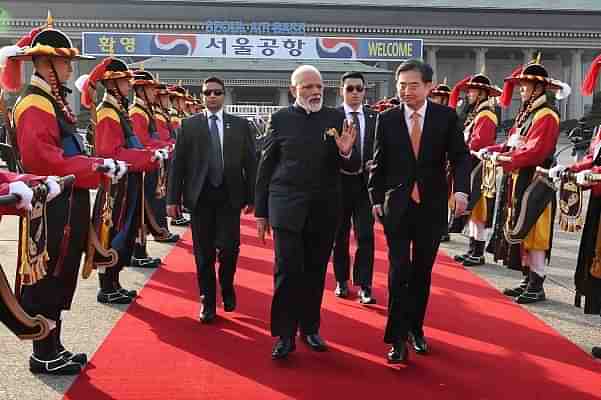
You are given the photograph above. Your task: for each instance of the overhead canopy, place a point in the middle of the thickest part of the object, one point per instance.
(254, 65)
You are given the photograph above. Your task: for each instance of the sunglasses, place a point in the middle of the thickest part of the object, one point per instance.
(209, 92)
(351, 88)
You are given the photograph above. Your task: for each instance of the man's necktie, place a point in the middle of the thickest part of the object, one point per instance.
(356, 154)
(416, 136)
(216, 156)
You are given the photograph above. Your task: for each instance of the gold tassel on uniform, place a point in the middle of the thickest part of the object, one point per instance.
(34, 253)
(570, 206)
(596, 264)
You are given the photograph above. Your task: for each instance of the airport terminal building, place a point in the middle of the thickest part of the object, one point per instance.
(456, 37)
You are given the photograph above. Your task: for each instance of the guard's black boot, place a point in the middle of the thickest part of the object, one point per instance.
(477, 256)
(79, 358)
(461, 258)
(518, 290)
(534, 292)
(109, 294)
(46, 359)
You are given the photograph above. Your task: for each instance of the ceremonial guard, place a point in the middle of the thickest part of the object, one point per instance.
(117, 211)
(440, 94)
(155, 184)
(526, 241)
(50, 145)
(18, 194)
(588, 269)
(162, 117)
(177, 97)
(479, 131)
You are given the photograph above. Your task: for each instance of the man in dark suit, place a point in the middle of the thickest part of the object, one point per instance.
(214, 167)
(355, 200)
(408, 187)
(298, 193)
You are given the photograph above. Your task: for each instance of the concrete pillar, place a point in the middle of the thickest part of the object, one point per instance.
(528, 55)
(75, 97)
(431, 58)
(283, 97)
(229, 96)
(575, 101)
(481, 60)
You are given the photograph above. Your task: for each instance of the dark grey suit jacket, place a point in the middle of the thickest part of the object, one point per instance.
(395, 167)
(190, 163)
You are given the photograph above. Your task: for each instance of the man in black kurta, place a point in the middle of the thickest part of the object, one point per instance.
(298, 193)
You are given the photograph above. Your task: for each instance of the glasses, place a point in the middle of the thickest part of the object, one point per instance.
(351, 88)
(210, 92)
(411, 86)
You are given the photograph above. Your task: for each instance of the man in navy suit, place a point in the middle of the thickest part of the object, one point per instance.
(407, 187)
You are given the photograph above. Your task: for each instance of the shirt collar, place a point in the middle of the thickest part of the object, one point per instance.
(421, 112)
(348, 109)
(109, 98)
(40, 83)
(218, 113)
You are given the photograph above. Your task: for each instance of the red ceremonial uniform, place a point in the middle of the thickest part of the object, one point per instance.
(39, 140)
(538, 145)
(587, 162)
(141, 123)
(163, 127)
(110, 139)
(176, 121)
(484, 130)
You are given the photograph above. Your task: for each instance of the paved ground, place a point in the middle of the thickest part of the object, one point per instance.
(89, 322)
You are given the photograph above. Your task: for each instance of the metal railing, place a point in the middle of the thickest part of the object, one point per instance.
(251, 110)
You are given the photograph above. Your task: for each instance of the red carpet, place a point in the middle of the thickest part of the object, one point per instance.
(483, 345)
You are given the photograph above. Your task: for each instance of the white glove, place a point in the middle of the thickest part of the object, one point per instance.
(24, 192)
(556, 171)
(54, 189)
(165, 153)
(581, 178)
(481, 153)
(121, 170)
(159, 154)
(515, 141)
(112, 166)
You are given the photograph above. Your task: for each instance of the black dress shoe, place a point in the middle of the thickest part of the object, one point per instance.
(445, 238)
(419, 343)
(365, 296)
(56, 365)
(283, 347)
(207, 314)
(315, 342)
(341, 290)
(596, 352)
(398, 353)
(229, 302)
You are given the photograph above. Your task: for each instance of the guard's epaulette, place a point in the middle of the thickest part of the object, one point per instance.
(106, 112)
(32, 100)
(137, 109)
(543, 112)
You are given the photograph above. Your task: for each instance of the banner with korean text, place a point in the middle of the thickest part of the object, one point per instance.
(250, 46)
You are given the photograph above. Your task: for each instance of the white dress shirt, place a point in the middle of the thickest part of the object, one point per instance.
(219, 122)
(361, 116)
(422, 116)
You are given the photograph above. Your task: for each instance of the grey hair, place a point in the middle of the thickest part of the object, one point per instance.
(298, 72)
